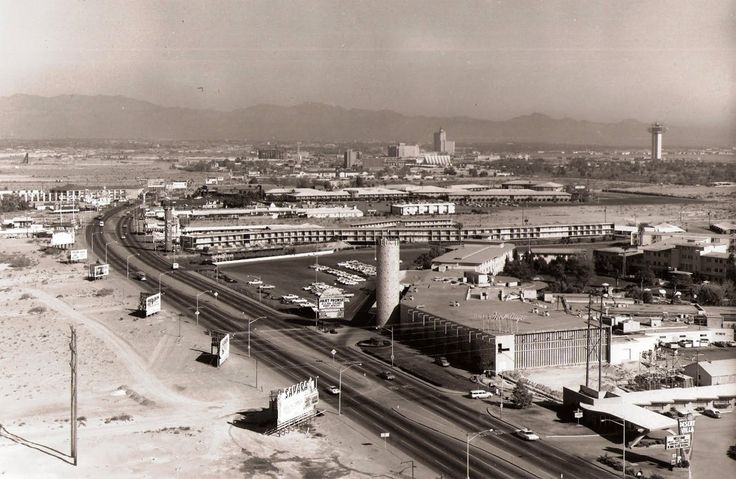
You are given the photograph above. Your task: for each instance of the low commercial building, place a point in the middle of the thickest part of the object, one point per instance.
(509, 195)
(413, 209)
(702, 257)
(478, 258)
(710, 373)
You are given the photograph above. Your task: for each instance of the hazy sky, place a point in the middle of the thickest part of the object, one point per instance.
(673, 61)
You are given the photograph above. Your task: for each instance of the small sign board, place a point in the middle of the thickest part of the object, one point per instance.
(578, 414)
(385, 434)
(97, 271)
(76, 255)
(681, 441)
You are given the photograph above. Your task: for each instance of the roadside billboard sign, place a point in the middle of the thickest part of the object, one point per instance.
(295, 402)
(156, 183)
(331, 305)
(149, 304)
(77, 255)
(681, 441)
(224, 350)
(97, 271)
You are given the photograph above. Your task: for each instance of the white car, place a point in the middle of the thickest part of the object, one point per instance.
(255, 282)
(334, 390)
(527, 434)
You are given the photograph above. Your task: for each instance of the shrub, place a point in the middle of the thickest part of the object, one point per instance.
(101, 293)
(521, 395)
(37, 310)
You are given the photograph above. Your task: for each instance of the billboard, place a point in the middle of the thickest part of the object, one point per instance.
(62, 238)
(77, 255)
(220, 347)
(156, 183)
(97, 271)
(295, 402)
(149, 304)
(331, 304)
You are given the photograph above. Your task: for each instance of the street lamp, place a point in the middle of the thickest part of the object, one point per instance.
(106, 244)
(468, 439)
(196, 313)
(339, 386)
(127, 264)
(623, 446)
(392, 342)
(93, 241)
(249, 323)
(159, 279)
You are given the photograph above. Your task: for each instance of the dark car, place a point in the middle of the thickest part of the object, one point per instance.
(388, 375)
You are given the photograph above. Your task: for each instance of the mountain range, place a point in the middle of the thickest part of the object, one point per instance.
(118, 117)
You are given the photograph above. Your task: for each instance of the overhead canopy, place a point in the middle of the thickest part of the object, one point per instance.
(637, 415)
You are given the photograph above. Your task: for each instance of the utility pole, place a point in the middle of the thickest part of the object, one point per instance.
(73, 365)
(587, 347)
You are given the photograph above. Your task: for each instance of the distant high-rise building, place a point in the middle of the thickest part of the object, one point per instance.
(441, 144)
(402, 150)
(351, 158)
(656, 130)
(271, 154)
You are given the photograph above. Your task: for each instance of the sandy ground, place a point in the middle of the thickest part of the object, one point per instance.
(147, 408)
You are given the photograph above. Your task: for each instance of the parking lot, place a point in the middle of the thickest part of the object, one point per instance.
(291, 276)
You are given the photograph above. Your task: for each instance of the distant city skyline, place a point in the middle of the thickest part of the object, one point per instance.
(669, 61)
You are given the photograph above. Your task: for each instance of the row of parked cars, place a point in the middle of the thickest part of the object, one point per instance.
(355, 265)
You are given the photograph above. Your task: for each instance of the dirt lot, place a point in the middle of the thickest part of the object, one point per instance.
(147, 407)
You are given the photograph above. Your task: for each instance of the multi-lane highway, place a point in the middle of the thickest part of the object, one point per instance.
(438, 451)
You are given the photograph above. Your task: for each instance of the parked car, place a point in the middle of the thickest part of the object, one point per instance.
(388, 375)
(334, 390)
(442, 361)
(141, 276)
(712, 412)
(527, 434)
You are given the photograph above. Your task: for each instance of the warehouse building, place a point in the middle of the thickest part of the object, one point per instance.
(478, 258)
(710, 373)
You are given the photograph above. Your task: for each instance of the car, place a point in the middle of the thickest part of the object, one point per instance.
(480, 394)
(712, 412)
(388, 375)
(442, 361)
(527, 434)
(255, 282)
(122, 236)
(334, 390)
(141, 276)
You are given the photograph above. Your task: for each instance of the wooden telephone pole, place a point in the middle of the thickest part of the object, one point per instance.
(73, 365)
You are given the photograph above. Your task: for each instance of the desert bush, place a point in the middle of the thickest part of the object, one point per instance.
(25, 296)
(37, 310)
(101, 293)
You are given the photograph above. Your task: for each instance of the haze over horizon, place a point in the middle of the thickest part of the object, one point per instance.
(670, 61)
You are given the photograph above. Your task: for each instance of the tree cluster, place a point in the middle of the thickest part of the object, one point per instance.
(569, 275)
(424, 260)
(12, 203)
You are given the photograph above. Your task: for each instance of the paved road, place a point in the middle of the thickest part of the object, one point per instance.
(438, 451)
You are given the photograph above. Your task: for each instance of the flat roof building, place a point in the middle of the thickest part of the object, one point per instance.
(479, 258)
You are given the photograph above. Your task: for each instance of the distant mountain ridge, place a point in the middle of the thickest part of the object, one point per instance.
(118, 117)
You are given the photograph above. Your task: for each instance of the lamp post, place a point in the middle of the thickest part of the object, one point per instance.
(106, 245)
(196, 313)
(339, 386)
(249, 323)
(159, 279)
(93, 241)
(468, 439)
(127, 264)
(623, 446)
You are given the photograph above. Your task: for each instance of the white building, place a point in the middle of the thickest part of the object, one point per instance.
(413, 209)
